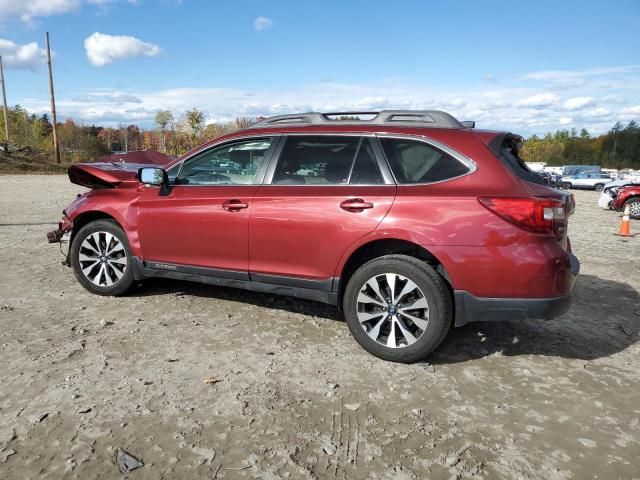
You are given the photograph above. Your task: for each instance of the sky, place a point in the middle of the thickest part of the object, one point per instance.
(529, 67)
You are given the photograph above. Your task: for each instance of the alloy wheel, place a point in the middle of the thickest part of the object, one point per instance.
(392, 310)
(102, 258)
(634, 209)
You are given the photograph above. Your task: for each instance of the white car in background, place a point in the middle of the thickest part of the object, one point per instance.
(605, 199)
(586, 180)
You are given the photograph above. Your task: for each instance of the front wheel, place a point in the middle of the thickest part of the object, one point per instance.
(101, 258)
(398, 308)
(598, 187)
(634, 207)
(565, 185)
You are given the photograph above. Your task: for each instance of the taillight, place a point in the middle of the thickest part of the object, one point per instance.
(533, 214)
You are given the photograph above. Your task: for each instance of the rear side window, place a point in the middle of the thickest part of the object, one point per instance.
(327, 160)
(413, 161)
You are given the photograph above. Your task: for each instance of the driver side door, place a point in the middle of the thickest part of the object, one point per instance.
(204, 220)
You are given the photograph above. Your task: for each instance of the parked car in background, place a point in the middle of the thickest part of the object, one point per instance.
(606, 196)
(587, 180)
(627, 196)
(410, 221)
(551, 179)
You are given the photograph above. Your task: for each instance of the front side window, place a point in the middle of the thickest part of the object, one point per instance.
(327, 160)
(413, 161)
(231, 164)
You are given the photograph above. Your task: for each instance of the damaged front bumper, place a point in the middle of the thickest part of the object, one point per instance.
(62, 235)
(58, 236)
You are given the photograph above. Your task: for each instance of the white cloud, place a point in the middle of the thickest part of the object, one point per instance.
(577, 103)
(26, 10)
(597, 112)
(520, 108)
(635, 110)
(262, 23)
(562, 75)
(538, 100)
(103, 49)
(25, 57)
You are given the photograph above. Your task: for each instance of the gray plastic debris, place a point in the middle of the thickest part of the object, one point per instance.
(329, 448)
(127, 462)
(5, 454)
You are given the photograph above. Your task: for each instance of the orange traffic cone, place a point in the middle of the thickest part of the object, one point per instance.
(625, 228)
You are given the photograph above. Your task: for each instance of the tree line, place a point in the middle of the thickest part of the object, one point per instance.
(618, 148)
(83, 143)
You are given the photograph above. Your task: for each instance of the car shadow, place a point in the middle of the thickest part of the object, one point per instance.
(160, 286)
(603, 320)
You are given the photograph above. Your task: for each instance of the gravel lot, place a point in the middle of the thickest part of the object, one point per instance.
(290, 393)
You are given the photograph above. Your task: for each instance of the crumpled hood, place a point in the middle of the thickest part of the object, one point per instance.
(105, 175)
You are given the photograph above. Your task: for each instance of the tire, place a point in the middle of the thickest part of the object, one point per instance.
(371, 325)
(634, 207)
(565, 185)
(598, 187)
(101, 258)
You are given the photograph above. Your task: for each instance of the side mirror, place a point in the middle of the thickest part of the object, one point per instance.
(155, 176)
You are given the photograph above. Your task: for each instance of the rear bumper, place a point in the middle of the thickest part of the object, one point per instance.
(469, 308)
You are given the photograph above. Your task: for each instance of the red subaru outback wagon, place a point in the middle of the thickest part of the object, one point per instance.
(409, 221)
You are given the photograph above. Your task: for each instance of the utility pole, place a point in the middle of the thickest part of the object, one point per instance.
(53, 103)
(4, 99)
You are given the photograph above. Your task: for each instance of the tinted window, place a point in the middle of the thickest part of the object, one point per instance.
(234, 164)
(418, 162)
(365, 169)
(327, 160)
(320, 160)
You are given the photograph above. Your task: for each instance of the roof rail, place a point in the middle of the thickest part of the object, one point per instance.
(426, 118)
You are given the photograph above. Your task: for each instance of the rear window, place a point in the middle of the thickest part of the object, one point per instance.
(413, 161)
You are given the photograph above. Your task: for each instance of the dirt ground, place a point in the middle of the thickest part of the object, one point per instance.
(291, 395)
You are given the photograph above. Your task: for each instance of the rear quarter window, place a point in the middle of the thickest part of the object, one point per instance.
(413, 161)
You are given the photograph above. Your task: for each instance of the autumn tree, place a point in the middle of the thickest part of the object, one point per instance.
(164, 122)
(195, 122)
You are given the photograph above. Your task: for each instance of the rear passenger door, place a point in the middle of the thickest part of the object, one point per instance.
(321, 194)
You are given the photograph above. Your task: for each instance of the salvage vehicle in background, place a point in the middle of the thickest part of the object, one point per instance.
(550, 179)
(627, 196)
(607, 195)
(586, 180)
(410, 222)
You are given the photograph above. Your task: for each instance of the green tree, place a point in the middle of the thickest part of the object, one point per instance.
(195, 122)
(164, 122)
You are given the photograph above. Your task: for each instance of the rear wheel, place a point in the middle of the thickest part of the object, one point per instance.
(398, 308)
(565, 185)
(598, 187)
(101, 258)
(634, 207)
